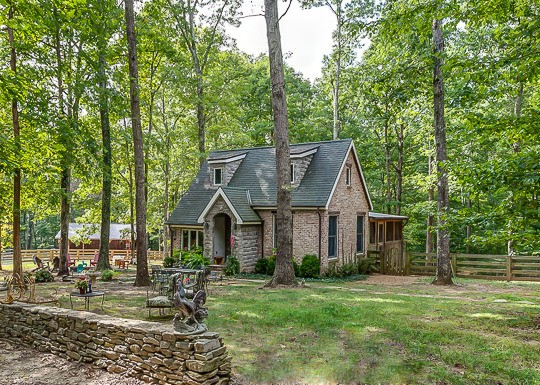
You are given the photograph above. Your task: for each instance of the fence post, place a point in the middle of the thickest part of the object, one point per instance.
(454, 264)
(407, 259)
(508, 268)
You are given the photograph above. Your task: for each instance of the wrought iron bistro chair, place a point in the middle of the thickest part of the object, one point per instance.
(155, 276)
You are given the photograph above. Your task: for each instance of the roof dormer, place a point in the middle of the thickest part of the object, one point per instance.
(300, 159)
(222, 168)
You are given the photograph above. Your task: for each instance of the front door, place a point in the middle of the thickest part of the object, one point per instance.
(222, 238)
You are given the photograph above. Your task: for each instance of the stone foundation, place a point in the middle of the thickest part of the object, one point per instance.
(149, 351)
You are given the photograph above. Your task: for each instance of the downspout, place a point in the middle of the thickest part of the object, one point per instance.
(320, 234)
(262, 238)
(172, 242)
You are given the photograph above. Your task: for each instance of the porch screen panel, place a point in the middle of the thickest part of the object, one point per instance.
(359, 233)
(332, 236)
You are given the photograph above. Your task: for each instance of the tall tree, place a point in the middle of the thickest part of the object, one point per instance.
(142, 278)
(199, 24)
(102, 38)
(444, 263)
(284, 272)
(17, 259)
(337, 8)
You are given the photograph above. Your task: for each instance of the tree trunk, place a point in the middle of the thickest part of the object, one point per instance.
(1, 224)
(430, 218)
(444, 263)
(201, 119)
(388, 165)
(338, 74)
(65, 177)
(284, 272)
(31, 231)
(65, 182)
(142, 278)
(17, 257)
(399, 168)
(516, 147)
(103, 259)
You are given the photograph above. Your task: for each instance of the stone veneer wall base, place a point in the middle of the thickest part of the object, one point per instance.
(149, 351)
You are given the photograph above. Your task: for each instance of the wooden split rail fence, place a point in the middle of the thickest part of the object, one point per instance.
(76, 255)
(481, 266)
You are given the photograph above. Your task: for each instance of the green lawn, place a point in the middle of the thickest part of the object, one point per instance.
(478, 332)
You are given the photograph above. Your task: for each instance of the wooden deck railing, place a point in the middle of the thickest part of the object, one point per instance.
(483, 266)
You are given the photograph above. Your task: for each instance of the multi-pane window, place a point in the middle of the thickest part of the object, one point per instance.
(191, 239)
(359, 233)
(348, 176)
(332, 236)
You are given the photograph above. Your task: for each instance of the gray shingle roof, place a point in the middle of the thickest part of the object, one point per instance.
(257, 173)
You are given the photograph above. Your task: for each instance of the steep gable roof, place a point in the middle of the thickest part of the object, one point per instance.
(257, 174)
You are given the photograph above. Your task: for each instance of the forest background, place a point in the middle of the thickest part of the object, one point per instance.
(199, 93)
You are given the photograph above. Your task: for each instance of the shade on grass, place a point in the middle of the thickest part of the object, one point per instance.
(353, 332)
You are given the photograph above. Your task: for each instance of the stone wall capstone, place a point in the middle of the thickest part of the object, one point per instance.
(149, 351)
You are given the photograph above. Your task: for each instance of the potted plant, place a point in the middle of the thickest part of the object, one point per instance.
(82, 285)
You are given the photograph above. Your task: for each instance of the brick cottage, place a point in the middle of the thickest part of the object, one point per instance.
(230, 207)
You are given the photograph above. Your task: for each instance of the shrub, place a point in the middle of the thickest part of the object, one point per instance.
(169, 261)
(296, 268)
(44, 275)
(261, 267)
(195, 260)
(107, 275)
(310, 267)
(348, 269)
(232, 266)
(344, 270)
(271, 265)
(365, 266)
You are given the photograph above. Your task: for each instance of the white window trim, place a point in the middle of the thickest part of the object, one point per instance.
(348, 176)
(218, 184)
(198, 242)
(293, 169)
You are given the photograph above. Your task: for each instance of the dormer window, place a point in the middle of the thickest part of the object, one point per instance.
(292, 173)
(348, 176)
(218, 176)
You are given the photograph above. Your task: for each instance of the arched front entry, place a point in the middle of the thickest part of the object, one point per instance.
(222, 238)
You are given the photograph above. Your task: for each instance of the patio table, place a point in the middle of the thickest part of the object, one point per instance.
(87, 297)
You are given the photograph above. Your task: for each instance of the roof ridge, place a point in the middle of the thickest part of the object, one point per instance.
(267, 147)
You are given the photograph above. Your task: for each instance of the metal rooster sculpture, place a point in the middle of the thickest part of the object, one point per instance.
(190, 313)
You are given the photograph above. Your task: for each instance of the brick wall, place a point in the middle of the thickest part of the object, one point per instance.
(305, 233)
(146, 350)
(347, 203)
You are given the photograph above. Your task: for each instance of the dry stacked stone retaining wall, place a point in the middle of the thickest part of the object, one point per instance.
(145, 350)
